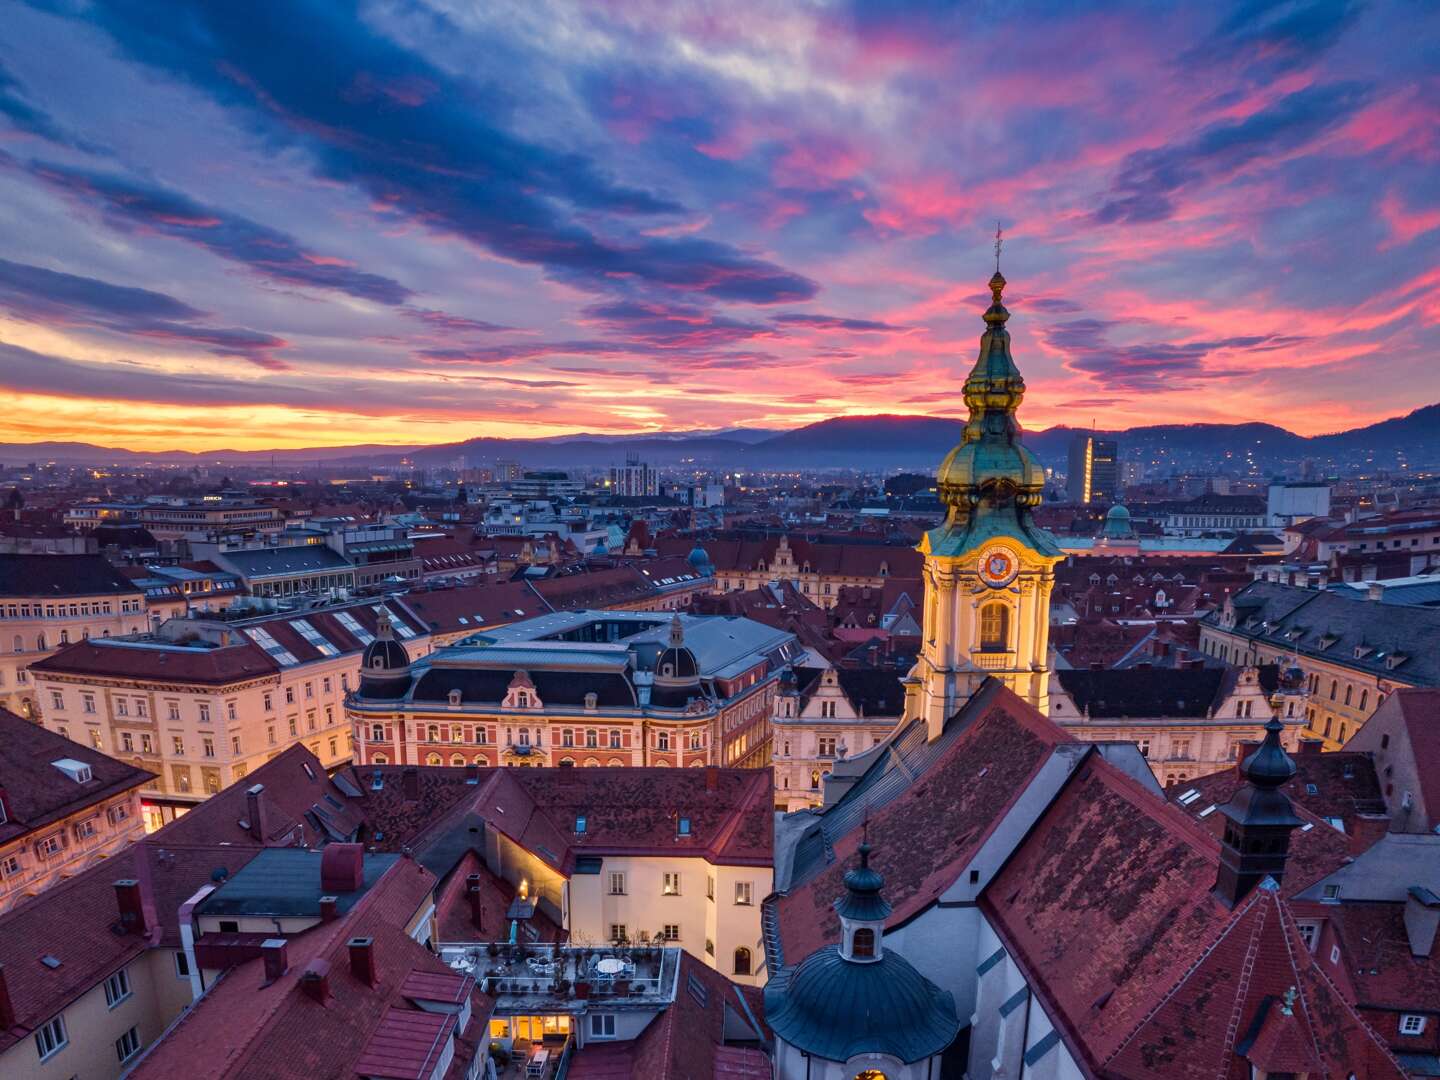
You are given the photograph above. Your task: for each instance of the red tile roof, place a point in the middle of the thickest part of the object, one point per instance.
(686, 1041)
(245, 1028)
(210, 666)
(301, 806)
(454, 916)
(1107, 908)
(35, 793)
(75, 922)
(1254, 996)
(471, 607)
(924, 837)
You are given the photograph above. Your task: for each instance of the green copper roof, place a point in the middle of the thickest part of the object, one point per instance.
(991, 481)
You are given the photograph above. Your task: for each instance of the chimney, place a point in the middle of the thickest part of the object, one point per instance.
(132, 906)
(472, 774)
(315, 980)
(328, 908)
(255, 810)
(362, 959)
(410, 785)
(277, 960)
(342, 868)
(472, 892)
(1375, 591)
(7, 1007)
(712, 778)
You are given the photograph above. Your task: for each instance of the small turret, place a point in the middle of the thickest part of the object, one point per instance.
(1258, 821)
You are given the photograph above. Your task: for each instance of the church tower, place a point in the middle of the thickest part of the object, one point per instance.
(989, 568)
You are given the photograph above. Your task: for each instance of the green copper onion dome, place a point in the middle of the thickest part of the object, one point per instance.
(990, 456)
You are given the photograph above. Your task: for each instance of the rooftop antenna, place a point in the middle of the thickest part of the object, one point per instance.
(999, 243)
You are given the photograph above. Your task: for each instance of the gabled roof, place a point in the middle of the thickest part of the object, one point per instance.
(687, 1041)
(1150, 692)
(471, 607)
(36, 793)
(1254, 996)
(626, 810)
(927, 808)
(300, 803)
(246, 1028)
(1108, 910)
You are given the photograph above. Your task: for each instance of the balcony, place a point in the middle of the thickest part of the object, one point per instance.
(537, 979)
(993, 660)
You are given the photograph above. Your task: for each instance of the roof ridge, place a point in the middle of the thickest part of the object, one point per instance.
(1206, 953)
(1312, 966)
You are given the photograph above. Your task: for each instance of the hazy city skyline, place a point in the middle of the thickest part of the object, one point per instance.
(423, 225)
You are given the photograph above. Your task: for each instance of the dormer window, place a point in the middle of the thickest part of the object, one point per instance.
(454, 697)
(682, 827)
(591, 700)
(580, 823)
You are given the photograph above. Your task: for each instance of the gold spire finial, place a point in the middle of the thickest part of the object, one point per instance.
(999, 243)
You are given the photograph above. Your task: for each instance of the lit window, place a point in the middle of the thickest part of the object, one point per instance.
(671, 884)
(994, 627)
(744, 893)
(617, 883)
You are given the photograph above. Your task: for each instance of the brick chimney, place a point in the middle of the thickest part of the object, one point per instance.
(472, 893)
(315, 980)
(712, 778)
(255, 812)
(131, 902)
(362, 959)
(7, 1007)
(342, 868)
(329, 908)
(277, 960)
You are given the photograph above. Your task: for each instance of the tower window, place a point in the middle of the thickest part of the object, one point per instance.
(994, 627)
(863, 944)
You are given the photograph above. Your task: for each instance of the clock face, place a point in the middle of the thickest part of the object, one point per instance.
(998, 567)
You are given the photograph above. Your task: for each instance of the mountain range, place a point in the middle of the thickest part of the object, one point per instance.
(866, 442)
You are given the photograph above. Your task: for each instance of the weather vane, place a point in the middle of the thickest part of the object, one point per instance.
(999, 242)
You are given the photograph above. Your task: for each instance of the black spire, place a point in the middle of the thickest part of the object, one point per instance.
(1258, 821)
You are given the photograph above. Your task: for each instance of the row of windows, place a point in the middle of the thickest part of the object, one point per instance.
(670, 881)
(61, 611)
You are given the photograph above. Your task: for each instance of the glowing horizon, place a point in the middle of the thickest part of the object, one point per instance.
(290, 226)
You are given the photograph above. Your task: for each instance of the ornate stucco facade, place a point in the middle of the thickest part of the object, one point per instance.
(989, 570)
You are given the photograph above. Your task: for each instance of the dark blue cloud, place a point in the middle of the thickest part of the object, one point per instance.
(1266, 38)
(836, 322)
(46, 296)
(421, 142)
(1147, 366)
(671, 326)
(1148, 180)
(31, 119)
(135, 205)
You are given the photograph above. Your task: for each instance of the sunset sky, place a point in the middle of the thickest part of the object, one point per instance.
(262, 225)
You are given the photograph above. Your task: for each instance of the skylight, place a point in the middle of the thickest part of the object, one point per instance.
(683, 826)
(1188, 797)
(580, 823)
(261, 637)
(350, 623)
(314, 637)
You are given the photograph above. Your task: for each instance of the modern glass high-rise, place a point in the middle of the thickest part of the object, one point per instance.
(1094, 474)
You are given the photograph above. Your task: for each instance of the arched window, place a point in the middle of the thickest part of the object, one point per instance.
(377, 732)
(379, 759)
(40, 642)
(432, 759)
(457, 759)
(994, 627)
(863, 944)
(1364, 697)
(742, 961)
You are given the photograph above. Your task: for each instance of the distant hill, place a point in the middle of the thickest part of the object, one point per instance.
(867, 442)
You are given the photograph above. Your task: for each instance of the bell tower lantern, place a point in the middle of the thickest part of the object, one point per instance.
(989, 569)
